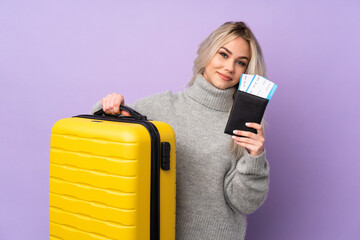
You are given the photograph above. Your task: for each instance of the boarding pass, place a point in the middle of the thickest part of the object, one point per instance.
(257, 85)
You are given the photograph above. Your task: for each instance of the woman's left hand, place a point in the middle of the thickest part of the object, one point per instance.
(254, 143)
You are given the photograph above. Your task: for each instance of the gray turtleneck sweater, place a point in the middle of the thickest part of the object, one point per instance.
(215, 190)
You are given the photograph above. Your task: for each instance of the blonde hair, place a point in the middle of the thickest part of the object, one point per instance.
(218, 38)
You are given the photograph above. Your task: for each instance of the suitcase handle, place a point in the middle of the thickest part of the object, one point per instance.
(133, 113)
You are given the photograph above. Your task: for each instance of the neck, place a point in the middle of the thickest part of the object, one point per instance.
(203, 92)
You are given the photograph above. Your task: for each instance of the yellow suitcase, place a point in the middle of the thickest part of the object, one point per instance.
(112, 178)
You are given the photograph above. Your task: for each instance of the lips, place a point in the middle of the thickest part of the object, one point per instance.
(224, 77)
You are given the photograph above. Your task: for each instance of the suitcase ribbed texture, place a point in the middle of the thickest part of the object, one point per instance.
(99, 180)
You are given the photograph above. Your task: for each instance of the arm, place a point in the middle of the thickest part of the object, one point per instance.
(246, 184)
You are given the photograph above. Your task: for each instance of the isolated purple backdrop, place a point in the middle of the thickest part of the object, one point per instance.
(57, 58)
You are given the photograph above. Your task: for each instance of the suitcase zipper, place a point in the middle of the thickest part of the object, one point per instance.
(155, 168)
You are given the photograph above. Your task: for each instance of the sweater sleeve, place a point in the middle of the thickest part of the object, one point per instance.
(96, 107)
(246, 185)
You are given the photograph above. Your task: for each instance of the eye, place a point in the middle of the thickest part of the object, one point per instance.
(223, 54)
(241, 63)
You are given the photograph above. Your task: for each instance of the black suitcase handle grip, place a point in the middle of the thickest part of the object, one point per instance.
(132, 112)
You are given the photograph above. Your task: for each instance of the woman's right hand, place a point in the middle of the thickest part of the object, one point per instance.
(111, 104)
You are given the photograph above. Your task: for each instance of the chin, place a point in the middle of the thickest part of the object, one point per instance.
(222, 85)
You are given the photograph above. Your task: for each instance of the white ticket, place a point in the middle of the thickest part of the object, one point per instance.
(261, 87)
(245, 81)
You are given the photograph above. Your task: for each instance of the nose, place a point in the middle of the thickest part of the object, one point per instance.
(229, 66)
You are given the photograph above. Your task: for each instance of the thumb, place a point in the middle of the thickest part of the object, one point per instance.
(125, 113)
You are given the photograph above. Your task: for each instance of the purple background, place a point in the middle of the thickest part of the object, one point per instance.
(57, 58)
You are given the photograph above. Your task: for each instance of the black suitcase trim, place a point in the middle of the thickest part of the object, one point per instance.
(155, 167)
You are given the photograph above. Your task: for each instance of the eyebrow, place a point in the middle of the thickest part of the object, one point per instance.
(232, 53)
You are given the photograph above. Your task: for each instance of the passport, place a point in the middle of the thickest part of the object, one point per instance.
(250, 102)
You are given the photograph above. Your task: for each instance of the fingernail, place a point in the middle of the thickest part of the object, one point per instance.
(235, 131)
(247, 124)
(233, 137)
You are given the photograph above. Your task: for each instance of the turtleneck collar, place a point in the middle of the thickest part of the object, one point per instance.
(203, 92)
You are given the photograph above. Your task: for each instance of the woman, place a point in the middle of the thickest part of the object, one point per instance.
(219, 179)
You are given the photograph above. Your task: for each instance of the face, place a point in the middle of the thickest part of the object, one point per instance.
(228, 63)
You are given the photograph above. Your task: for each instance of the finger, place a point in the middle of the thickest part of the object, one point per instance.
(253, 125)
(256, 126)
(118, 100)
(122, 103)
(115, 104)
(252, 149)
(125, 113)
(257, 137)
(257, 144)
(110, 106)
(111, 101)
(247, 140)
(244, 133)
(106, 104)
(115, 109)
